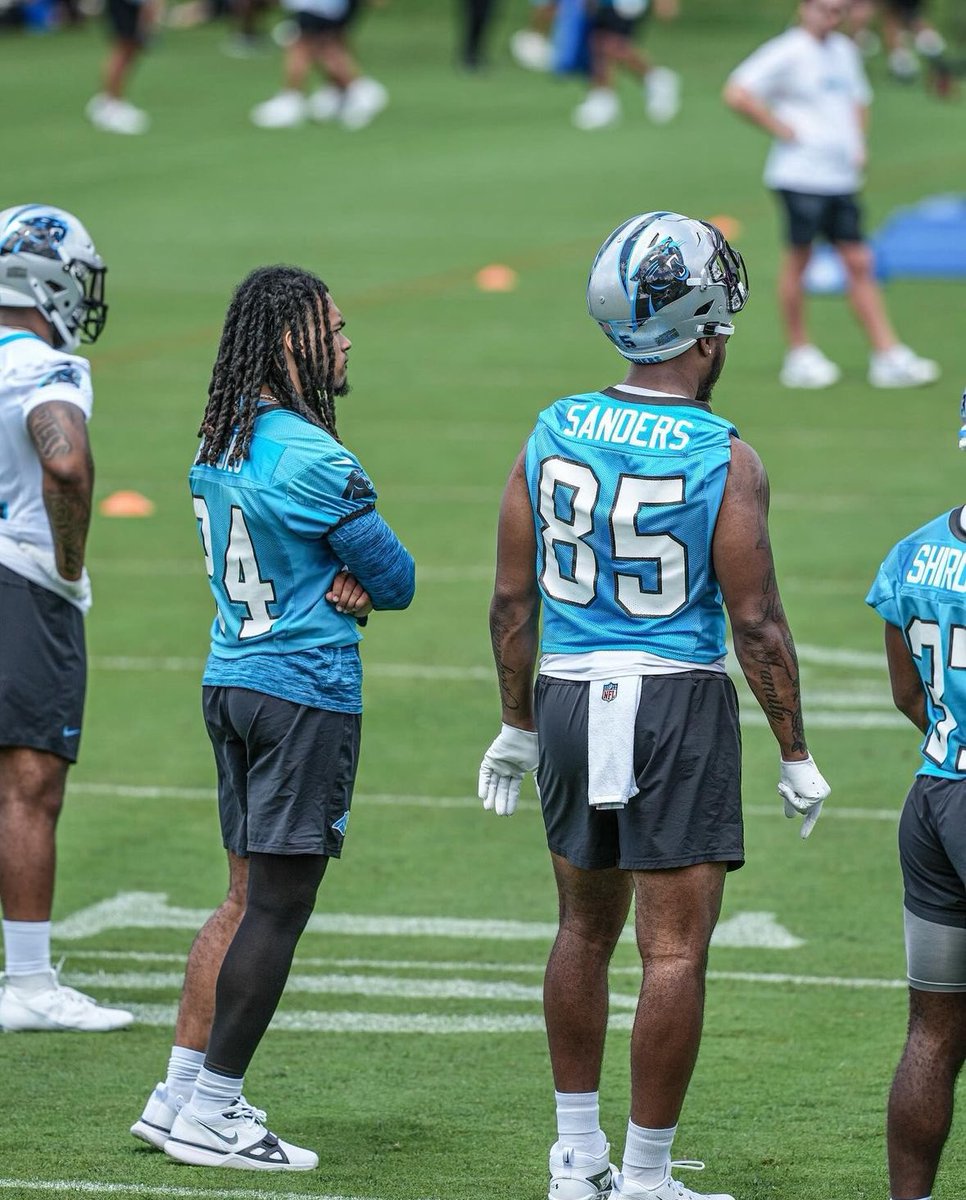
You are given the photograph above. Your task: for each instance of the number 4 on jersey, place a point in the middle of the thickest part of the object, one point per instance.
(241, 576)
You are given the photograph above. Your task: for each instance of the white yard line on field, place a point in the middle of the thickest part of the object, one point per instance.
(85, 1187)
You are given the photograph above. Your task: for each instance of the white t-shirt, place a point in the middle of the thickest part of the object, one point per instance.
(31, 373)
(816, 87)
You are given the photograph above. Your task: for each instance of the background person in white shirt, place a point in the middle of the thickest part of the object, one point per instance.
(807, 88)
(51, 298)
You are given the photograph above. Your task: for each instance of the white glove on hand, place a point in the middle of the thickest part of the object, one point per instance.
(803, 790)
(504, 765)
(77, 590)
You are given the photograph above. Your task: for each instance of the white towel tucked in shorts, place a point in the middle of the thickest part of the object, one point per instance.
(611, 717)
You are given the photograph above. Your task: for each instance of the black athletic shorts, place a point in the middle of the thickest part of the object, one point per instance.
(124, 19)
(310, 22)
(906, 8)
(687, 760)
(607, 19)
(285, 772)
(43, 668)
(808, 216)
(932, 850)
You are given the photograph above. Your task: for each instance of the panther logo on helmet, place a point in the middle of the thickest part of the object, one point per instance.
(36, 235)
(662, 278)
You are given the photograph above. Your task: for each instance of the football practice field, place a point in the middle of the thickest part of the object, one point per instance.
(408, 1049)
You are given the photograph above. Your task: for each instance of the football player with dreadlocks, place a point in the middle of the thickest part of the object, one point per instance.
(296, 556)
(631, 512)
(51, 299)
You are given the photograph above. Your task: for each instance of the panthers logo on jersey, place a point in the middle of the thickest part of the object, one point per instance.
(358, 486)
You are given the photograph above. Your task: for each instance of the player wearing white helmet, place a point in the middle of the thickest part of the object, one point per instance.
(632, 516)
(51, 299)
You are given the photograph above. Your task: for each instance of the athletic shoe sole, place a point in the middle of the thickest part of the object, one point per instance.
(154, 1135)
(201, 1156)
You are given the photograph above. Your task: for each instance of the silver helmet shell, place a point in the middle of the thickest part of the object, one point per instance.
(48, 261)
(663, 280)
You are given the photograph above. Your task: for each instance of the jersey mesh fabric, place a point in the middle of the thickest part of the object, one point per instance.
(625, 498)
(921, 588)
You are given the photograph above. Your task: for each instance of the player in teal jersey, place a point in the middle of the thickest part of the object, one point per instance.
(297, 556)
(920, 592)
(631, 515)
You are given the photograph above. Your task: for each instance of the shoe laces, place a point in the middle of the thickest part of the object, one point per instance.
(683, 1164)
(247, 1112)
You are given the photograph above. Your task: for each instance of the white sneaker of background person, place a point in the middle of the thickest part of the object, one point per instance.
(116, 116)
(284, 111)
(900, 367)
(363, 100)
(662, 94)
(668, 1189)
(40, 1003)
(235, 1136)
(325, 103)
(599, 109)
(531, 50)
(576, 1175)
(807, 367)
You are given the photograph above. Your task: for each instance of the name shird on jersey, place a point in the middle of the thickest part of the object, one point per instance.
(921, 588)
(264, 524)
(625, 495)
(31, 373)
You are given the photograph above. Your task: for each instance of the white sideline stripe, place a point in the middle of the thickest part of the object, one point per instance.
(164, 568)
(87, 1188)
(368, 1022)
(840, 981)
(827, 656)
(391, 800)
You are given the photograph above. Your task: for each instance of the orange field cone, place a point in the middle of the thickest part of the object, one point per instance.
(126, 504)
(729, 226)
(496, 278)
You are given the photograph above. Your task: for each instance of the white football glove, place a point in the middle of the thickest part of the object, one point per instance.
(803, 790)
(504, 765)
(77, 590)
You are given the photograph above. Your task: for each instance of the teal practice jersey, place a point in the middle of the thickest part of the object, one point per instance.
(921, 588)
(625, 489)
(264, 525)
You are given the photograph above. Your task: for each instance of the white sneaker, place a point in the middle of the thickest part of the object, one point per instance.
(283, 111)
(599, 109)
(575, 1175)
(929, 43)
(669, 1189)
(235, 1137)
(900, 367)
(324, 104)
(57, 1008)
(116, 116)
(903, 63)
(531, 50)
(662, 94)
(363, 101)
(807, 367)
(154, 1124)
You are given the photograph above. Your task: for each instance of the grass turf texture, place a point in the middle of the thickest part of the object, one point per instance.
(789, 1093)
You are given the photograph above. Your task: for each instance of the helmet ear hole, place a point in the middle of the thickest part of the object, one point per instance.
(704, 309)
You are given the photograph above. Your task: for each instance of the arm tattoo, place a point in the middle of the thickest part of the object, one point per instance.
(69, 515)
(58, 431)
(49, 428)
(504, 672)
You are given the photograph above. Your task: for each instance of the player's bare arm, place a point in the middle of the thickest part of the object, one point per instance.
(907, 690)
(515, 608)
(58, 431)
(746, 104)
(745, 568)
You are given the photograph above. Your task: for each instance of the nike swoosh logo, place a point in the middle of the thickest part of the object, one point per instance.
(342, 462)
(68, 732)
(231, 1139)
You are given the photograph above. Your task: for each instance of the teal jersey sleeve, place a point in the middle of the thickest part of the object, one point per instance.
(329, 490)
(882, 593)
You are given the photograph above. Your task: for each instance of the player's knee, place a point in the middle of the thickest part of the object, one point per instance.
(857, 258)
(599, 932)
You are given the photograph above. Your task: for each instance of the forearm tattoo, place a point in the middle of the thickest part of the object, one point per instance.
(59, 434)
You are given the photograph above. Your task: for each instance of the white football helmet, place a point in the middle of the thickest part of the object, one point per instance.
(48, 262)
(661, 281)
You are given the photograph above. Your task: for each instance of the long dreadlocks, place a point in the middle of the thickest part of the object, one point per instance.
(251, 356)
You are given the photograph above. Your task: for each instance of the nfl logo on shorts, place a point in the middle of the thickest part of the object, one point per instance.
(608, 692)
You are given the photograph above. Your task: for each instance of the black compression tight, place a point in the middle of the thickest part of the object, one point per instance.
(281, 896)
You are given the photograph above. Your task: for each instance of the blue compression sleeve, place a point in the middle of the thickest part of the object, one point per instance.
(377, 558)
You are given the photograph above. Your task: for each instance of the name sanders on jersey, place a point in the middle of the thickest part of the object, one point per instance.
(940, 567)
(627, 426)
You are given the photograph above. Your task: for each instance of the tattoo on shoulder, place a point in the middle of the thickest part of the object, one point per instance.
(57, 429)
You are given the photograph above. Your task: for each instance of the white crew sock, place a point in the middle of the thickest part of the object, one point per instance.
(213, 1092)
(26, 946)
(647, 1154)
(183, 1068)
(578, 1121)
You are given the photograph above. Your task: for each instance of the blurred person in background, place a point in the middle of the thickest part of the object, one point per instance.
(808, 89)
(612, 27)
(51, 300)
(131, 23)
(918, 592)
(907, 34)
(633, 516)
(532, 46)
(476, 19)
(348, 95)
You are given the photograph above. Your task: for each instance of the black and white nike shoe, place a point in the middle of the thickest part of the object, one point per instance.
(238, 1137)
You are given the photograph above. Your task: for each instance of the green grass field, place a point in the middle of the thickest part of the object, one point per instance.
(408, 1048)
